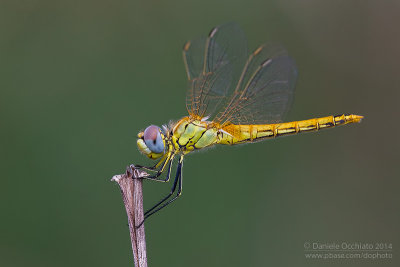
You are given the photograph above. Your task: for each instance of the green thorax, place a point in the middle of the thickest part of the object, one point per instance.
(189, 135)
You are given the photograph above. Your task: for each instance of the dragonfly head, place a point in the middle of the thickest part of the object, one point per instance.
(151, 142)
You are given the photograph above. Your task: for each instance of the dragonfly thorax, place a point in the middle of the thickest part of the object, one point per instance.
(192, 134)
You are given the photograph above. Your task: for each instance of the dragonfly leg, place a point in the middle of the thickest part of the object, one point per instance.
(157, 165)
(146, 168)
(162, 164)
(156, 178)
(161, 204)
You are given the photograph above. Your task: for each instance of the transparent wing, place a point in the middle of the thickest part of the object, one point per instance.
(213, 66)
(264, 90)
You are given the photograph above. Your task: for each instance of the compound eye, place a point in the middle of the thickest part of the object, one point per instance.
(153, 140)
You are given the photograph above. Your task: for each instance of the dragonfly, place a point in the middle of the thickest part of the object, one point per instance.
(232, 98)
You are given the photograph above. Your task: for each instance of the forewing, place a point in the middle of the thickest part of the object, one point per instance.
(265, 89)
(213, 66)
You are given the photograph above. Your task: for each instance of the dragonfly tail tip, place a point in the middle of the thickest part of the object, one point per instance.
(357, 118)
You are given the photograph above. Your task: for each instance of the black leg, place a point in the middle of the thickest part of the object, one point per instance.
(166, 179)
(177, 181)
(145, 167)
(154, 168)
(178, 194)
(177, 178)
(154, 177)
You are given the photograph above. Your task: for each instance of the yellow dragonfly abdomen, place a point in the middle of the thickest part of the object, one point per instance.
(189, 135)
(239, 134)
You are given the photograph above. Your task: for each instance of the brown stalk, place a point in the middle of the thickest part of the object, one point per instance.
(130, 185)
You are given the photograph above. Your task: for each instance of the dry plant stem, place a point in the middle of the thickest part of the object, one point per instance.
(131, 190)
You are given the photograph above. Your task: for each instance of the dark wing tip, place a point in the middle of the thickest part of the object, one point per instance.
(213, 32)
(186, 46)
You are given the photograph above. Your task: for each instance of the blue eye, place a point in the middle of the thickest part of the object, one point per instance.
(153, 140)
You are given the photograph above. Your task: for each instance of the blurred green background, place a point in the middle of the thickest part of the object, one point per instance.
(79, 79)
